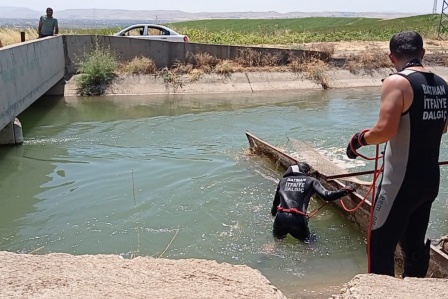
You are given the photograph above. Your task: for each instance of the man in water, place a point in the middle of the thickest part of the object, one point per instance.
(291, 201)
(412, 119)
(48, 26)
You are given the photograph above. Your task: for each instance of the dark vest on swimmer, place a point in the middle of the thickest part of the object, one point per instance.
(421, 126)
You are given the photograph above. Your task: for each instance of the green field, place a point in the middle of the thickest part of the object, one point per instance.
(303, 30)
(271, 25)
(290, 32)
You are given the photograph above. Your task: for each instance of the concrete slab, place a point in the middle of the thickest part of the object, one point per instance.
(249, 82)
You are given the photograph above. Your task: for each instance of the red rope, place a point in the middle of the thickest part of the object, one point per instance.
(290, 210)
(317, 210)
(372, 190)
(372, 206)
(297, 211)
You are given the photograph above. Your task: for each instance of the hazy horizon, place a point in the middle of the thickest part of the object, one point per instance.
(280, 6)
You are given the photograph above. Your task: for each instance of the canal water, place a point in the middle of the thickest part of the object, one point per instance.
(169, 176)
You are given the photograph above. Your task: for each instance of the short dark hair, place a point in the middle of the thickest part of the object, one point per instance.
(406, 44)
(49, 9)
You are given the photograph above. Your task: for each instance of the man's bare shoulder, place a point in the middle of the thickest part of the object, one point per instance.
(395, 79)
(397, 89)
(397, 82)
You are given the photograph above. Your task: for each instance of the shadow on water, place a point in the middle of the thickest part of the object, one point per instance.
(15, 170)
(106, 108)
(44, 107)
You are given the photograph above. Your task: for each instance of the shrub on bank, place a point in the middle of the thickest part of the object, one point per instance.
(97, 70)
(139, 65)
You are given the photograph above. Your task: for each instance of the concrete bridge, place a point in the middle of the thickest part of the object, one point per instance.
(31, 69)
(27, 72)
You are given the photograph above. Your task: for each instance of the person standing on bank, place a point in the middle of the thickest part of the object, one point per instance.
(48, 26)
(291, 201)
(412, 118)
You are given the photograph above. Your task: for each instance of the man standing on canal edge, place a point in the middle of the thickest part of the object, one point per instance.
(412, 119)
(291, 201)
(48, 26)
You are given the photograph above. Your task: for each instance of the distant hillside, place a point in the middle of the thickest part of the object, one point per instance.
(17, 12)
(175, 15)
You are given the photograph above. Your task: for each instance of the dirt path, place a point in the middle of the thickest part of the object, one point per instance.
(344, 49)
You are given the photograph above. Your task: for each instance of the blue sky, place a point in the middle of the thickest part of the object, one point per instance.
(404, 6)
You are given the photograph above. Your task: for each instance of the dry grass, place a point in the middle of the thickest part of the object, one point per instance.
(249, 60)
(202, 61)
(171, 78)
(368, 61)
(297, 64)
(9, 35)
(226, 67)
(139, 65)
(182, 68)
(317, 71)
(326, 48)
(195, 75)
(253, 58)
(312, 69)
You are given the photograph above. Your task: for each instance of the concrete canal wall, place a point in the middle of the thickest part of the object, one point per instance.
(163, 53)
(31, 69)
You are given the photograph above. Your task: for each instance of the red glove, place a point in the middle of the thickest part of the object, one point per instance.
(355, 143)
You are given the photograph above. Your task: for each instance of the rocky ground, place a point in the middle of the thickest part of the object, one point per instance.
(110, 276)
(366, 286)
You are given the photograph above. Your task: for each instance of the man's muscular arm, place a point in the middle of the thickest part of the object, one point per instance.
(396, 98)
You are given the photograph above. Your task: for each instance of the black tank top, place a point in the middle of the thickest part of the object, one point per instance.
(416, 146)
